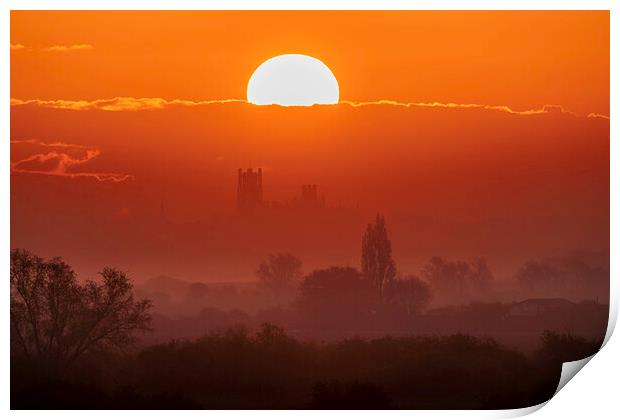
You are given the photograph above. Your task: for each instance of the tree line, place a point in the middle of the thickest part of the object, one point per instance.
(71, 342)
(378, 285)
(55, 317)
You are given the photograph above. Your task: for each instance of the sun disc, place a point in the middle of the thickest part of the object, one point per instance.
(293, 80)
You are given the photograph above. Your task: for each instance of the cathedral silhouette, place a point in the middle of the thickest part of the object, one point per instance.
(250, 193)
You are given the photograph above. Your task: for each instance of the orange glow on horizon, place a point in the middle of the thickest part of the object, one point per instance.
(475, 133)
(491, 58)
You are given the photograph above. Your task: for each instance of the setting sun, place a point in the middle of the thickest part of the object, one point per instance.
(305, 209)
(293, 80)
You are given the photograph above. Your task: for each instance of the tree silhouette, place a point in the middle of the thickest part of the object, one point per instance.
(56, 319)
(568, 277)
(279, 272)
(481, 276)
(565, 347)
(377, 264)
(409, 293)
(539, 276)
(335, 296)
(457, 280)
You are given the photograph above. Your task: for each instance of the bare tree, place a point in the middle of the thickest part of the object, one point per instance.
(55, 318)
(377, 264)
(279, 272)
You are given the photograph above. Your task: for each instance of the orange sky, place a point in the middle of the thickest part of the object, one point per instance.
(509, 179)
(521, 59)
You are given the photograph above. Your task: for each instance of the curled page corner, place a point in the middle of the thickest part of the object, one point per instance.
(520, 412)
(613, 318)
(569, 370)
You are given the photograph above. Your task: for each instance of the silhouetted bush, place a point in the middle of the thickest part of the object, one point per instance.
(337, 396)
(267, 368)
(335, 298)
(565, 347)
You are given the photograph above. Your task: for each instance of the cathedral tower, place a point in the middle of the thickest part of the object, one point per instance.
(249, 189)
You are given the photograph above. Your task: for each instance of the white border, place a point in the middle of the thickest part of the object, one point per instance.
(309, 5)
(592, 394)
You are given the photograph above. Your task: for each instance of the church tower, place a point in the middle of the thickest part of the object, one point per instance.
(249, 189)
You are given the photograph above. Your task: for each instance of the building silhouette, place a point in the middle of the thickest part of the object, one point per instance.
(249, 189)
(250, 194)
(310, 198)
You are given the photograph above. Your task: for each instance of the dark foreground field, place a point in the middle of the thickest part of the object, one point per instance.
(267, 369)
